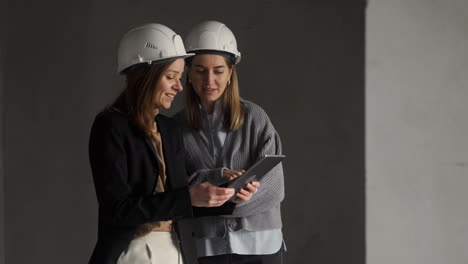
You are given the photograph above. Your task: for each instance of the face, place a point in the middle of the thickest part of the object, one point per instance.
(209, 75)
(169, 84)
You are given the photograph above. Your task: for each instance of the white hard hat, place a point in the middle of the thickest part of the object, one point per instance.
(212, 35)
(149, 43)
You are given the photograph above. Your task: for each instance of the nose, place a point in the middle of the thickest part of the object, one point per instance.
(210, 77)
(178, 86)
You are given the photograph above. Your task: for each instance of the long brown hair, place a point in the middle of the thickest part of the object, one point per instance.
(138, 97)
(232, 109)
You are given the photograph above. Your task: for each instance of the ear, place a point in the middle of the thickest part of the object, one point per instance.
(230, 73)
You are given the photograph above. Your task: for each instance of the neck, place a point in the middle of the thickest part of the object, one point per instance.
(155, 111)
(209, 107)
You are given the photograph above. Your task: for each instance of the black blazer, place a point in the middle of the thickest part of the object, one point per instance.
(125, 170)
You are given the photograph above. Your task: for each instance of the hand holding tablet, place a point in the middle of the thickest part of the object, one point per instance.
(255, 172)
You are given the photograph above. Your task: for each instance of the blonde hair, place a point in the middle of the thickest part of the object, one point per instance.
(233, 112)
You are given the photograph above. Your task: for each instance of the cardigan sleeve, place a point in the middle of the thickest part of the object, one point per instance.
(108, 158)
(271, 190)
(214, 176)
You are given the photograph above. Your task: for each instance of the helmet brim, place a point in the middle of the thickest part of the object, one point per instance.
(187, 55)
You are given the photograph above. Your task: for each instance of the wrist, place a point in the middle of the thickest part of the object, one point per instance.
(223, 176)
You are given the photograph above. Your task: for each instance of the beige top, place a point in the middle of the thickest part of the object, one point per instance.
(166, 226)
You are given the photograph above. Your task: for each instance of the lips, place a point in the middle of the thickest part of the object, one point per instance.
(209, 90)
(170, 95)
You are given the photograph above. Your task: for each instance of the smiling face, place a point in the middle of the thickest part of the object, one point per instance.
(169, 84)
(209, 75)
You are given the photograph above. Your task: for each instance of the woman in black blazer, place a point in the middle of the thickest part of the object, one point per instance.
(137, 158)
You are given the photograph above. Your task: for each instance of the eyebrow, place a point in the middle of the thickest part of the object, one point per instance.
(215, 67)
(173, 71)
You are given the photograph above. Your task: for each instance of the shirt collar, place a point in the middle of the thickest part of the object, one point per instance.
(217, 108)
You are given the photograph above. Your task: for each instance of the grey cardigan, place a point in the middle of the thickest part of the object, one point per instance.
(242, 148)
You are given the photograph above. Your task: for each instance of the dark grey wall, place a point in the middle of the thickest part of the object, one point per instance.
(3, 28)
(303, 61)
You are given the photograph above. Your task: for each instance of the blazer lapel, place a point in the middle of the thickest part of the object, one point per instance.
(150, 145)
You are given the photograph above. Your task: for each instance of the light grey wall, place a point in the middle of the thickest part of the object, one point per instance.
(417, 127)
(303, 61)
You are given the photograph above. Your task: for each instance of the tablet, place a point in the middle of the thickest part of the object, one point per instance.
(255, 172)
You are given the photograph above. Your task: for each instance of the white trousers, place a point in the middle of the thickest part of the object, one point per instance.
(154, 248)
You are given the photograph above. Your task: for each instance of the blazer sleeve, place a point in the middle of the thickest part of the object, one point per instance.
(108, 157)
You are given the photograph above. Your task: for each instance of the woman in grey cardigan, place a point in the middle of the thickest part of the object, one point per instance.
(223, 136)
